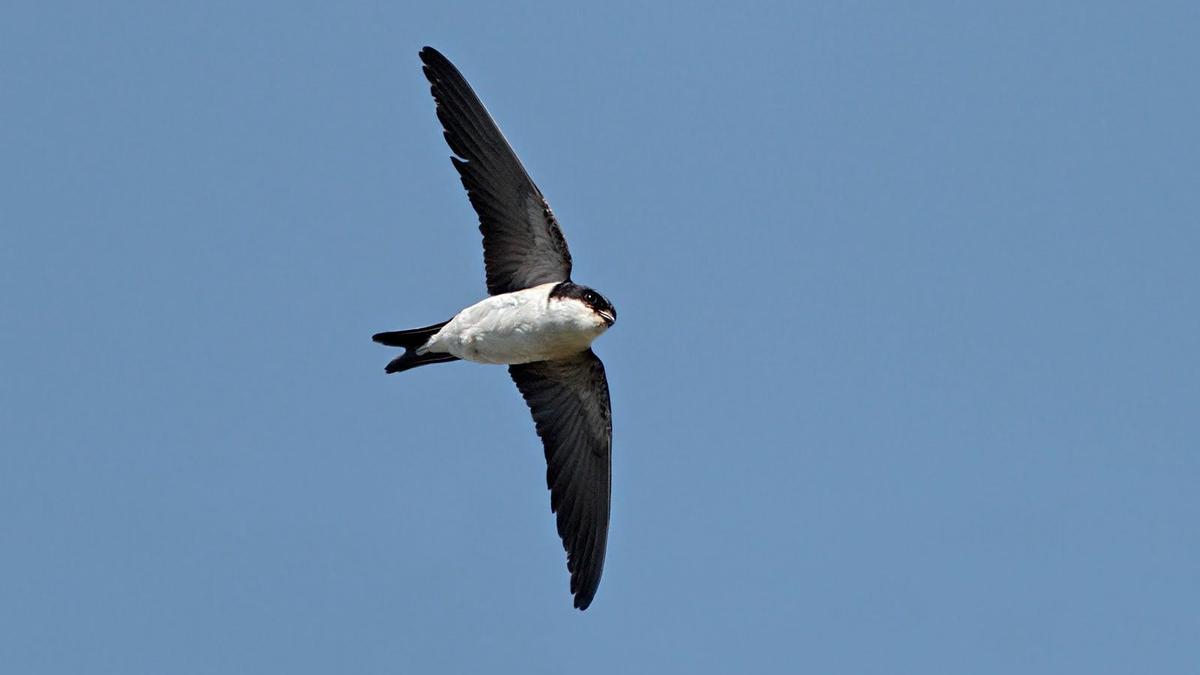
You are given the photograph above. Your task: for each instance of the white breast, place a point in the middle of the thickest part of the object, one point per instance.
(519, 327)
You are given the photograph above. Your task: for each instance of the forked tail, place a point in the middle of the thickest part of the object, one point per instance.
(411, 341)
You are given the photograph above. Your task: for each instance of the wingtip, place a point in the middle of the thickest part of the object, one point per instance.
(428, 53)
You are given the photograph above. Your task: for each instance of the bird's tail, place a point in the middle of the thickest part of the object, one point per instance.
(411, 341)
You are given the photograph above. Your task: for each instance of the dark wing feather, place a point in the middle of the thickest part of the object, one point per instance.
(522, 243)
(570, 406)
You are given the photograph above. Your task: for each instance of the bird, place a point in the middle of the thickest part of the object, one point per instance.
(536, 320)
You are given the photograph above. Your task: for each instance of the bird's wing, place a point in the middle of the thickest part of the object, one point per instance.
(522, 243)
(569, 401)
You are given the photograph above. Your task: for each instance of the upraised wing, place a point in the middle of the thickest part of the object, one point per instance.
(522, 243)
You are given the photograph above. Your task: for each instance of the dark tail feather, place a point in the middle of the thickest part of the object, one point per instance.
(411, 340)
(409, 360)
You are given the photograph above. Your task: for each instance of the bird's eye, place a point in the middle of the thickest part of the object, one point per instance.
(589, 296)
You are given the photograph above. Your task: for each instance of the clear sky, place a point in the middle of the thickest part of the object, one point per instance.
(906, 377)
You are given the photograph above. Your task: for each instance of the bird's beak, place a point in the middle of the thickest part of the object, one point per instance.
(609, 317)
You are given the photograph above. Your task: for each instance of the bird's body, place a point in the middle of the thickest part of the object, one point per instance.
(535, 320)
(519, 327)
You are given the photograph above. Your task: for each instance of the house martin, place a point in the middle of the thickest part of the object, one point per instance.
(536, 320)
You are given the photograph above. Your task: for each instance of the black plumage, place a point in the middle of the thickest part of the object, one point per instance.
(523, 245)
(411, 340)
(570, 406)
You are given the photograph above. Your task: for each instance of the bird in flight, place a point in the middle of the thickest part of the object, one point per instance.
(536, 320)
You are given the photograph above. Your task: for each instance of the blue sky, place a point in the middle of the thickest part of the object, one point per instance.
(905, 377)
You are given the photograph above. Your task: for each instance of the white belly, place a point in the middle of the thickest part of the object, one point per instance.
(519, 327)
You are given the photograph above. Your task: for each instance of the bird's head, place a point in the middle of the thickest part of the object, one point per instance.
(598, 304)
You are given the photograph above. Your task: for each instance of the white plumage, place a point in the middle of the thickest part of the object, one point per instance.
(519, 327)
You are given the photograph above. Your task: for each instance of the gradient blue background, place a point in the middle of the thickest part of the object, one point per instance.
(905, 378)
